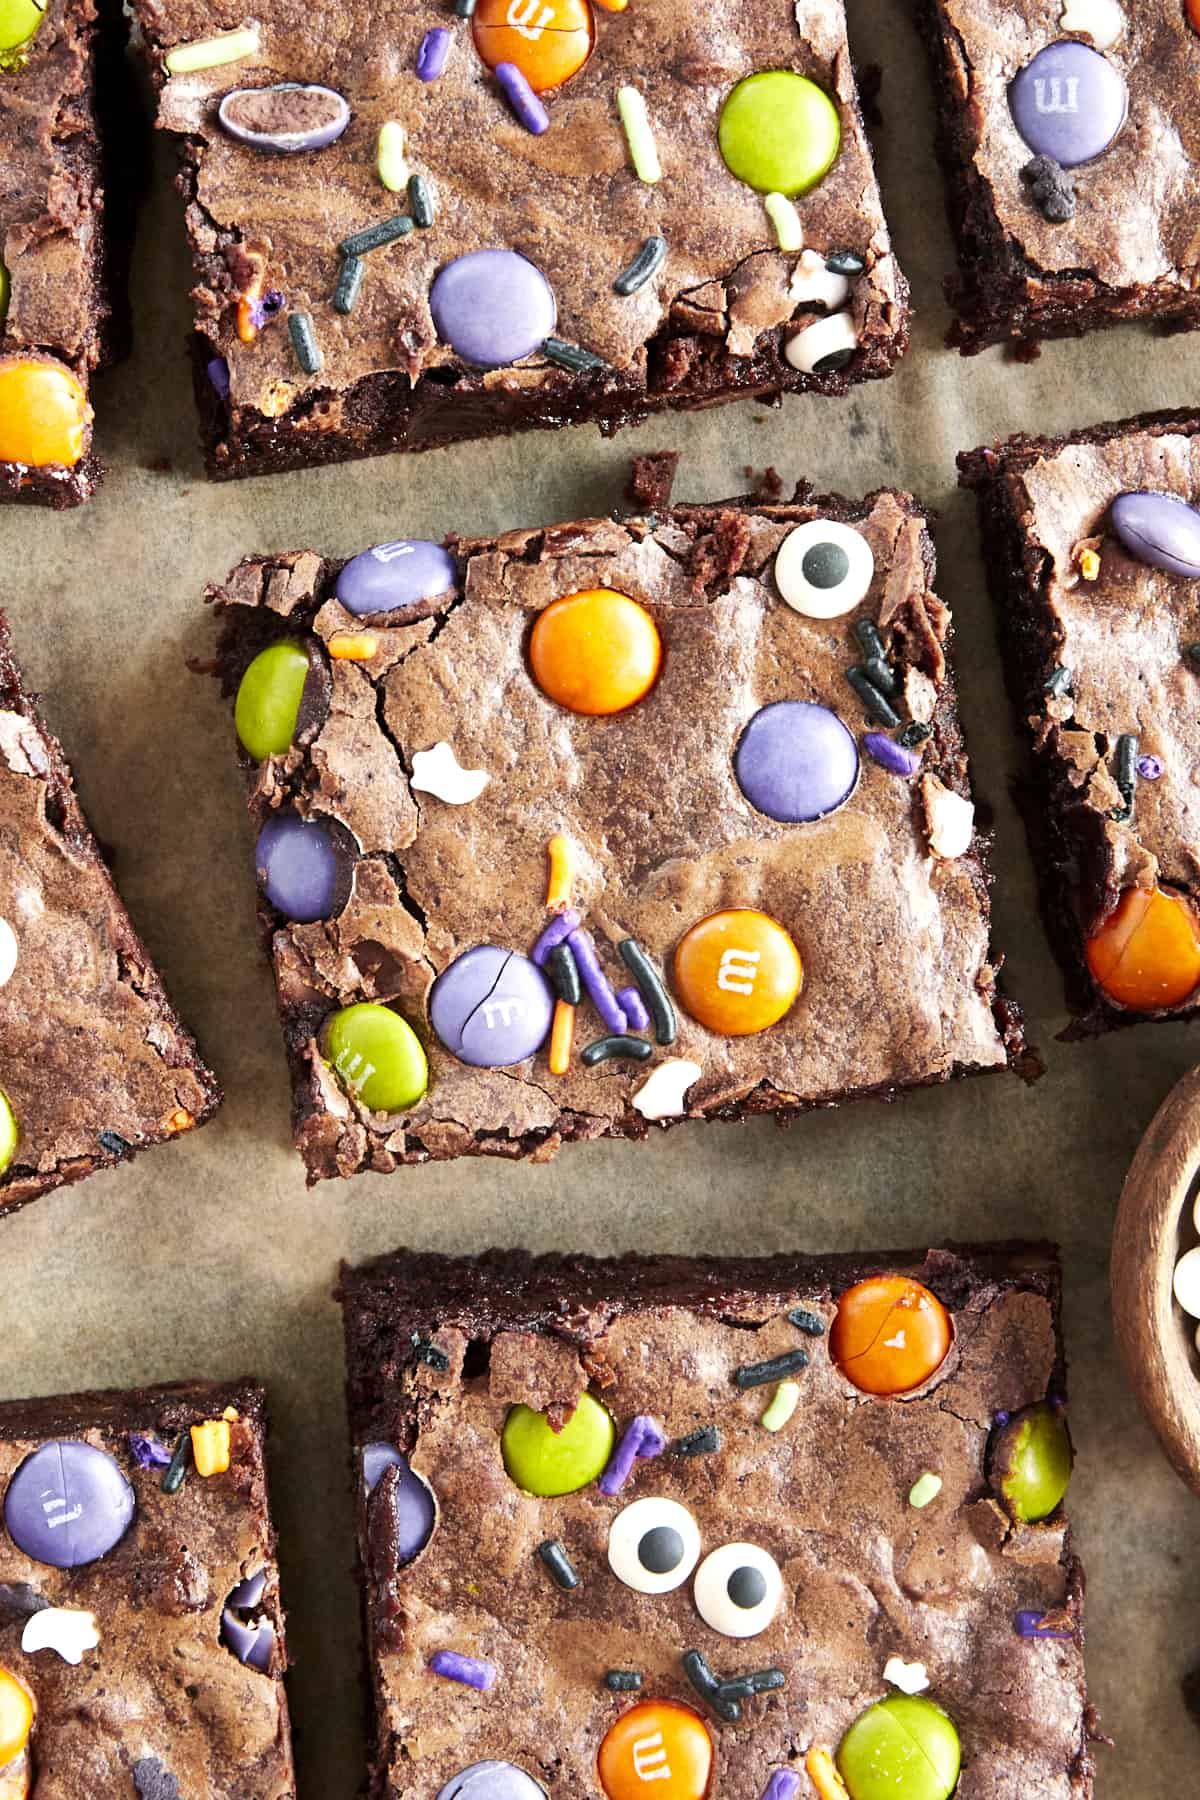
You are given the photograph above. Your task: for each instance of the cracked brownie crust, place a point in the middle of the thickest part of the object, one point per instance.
(866, 1575)
(709, 325)
(94, 1061)
(899, 980)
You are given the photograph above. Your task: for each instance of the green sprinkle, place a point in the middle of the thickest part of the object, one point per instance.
(774, 1369)
(646, 263)
(177, 1468)
(877, 704)
(464, 8)
(622, 1681)
(639, 134)
(304, 342)
(210, 53)
(345, 294)
(572, 356)
(420, 201)
(784, 1402)
(810, 1323)
(915, 733)
(927, 1487)
(386, 232)
(789, 232)
(390, 162)
(1058, 682)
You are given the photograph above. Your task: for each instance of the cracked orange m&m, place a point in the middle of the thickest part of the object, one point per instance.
(16, 1716)
(549, 40)
(44, 412)
(595, 652)
(658, 1747)
(737, 972)
(1147, 952)
(889, 1335)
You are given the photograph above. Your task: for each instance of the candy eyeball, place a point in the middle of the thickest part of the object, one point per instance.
(738, 1589)
(824, 568)
(653, 1545)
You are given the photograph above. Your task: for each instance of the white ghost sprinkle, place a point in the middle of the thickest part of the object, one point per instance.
(65, 1629)
(438, 772)
(661, 1095)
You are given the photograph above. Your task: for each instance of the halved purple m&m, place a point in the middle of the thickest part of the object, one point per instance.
(796, 761)
(492, 1780)
(491, 1007)
(1159, 529)
(415, 1508)
(1069, 102)
(492, 307)
(390, 577)
(68, 1504)
(298, 867)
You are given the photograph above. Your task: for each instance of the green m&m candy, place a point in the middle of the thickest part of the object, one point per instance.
(378, 1056)
(779, 132)
(268, 699)
(1029, 1463)
(547, 1462)
(19, 19)
(9, 1131)
(905, 1748)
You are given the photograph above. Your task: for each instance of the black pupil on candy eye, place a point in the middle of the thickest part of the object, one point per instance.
(660, 1550)
(825, 565)
(747, 1587)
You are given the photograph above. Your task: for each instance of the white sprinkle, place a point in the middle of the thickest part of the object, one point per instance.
(1101, 20)
(1187, 1282)
(949, 819)
(390, 160)
(812, 281)
(211, 53)
(910, 1678)
(439, 772)
(8, 951)
(64, 1629)
(661, 1095)
(639, 134)
(789, 232)
(832, 336)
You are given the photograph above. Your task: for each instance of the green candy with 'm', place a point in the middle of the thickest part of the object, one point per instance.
(19, 20)
(904, 1748)
(779, 132)
(378, 1056)
(1029, 1463)
(268, 700)
(548, 1462)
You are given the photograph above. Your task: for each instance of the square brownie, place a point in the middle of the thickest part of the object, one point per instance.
(141, 1631)
(546, 281)
(865, 1455)
(1093, 554)
(64, 238)
(766, 892)
(94, 1062)
(1071, 150)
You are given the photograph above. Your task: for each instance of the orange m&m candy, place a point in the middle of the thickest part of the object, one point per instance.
(889, 1335)
(16, 1717)
(1147, 952)
(549, 40)
(44, 412)
(595, 652)
(737, 972)
(1193, 9)
(658, 1748)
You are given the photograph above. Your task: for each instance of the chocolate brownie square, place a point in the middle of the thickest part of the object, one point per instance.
(141, 1632)
(746, 1525)
(1093, 552)
(728, 733)
(94, 1062)
(400, 243)
(1071, 150)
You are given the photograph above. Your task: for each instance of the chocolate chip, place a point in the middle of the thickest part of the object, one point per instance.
(153, 1782)
(1051, 189)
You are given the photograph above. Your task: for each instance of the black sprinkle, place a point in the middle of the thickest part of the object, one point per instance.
(1050, 188)
(1127, 753)
(618, 1045)
(760, 1681)
(696, 1668)
(430, 1354)
(572, 356)
(650, 986)
(375, 236)
(1058, 682)
(881, 675)
(623, 1681)
(915, 733)
(867, 633)
(177, 1468)
(752, 1375)
(698, 1443)
(877, 704)
(304, 342)
(810, 1323)
(350, 280)
(554, 1555)
(18, 1600)
(1192, 650)
(153, 1781)
(837, 359)
(114, 1143)
(647, 262)
(464, 8)
(420, 201)
(845, 262)
(564, 972)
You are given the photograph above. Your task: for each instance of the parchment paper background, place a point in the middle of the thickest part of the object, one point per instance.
(210, 1257)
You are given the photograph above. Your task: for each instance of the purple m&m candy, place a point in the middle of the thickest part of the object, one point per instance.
(391, 577)
(1159, 529)
(297, 866)
(492, 1780)
(796, 761)
(252, 1643)
(492, 307)
(415, 1509)
(68, 1504)
(1069, 102)
(491, 1007)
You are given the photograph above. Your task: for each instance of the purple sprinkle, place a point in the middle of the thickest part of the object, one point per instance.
(1150, 768)
(468, 1669)
(266, 308)
(634, 1008)
(522, 99)
(891, 756)
(1001, 1418)
(596, 982)
(783, 1785)
(218, 375)
(1029, 1625)
(642, 1437)
(147, 1452)
(559, 928)
(431, 57)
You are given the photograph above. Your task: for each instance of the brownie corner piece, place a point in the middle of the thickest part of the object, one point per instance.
(464, 276)
(614, 1508)
(516, 898)
(141, 1628)
(1072, 168)
(94, 1061)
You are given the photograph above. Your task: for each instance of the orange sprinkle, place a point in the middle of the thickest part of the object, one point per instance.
(210, 1446)
(562, 870)
(822, 1772)
(180, 1120)
(562, 1036)
(230, 1415)
(247, 330)
(613, 5)
(1089, 565)
(351, 646)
